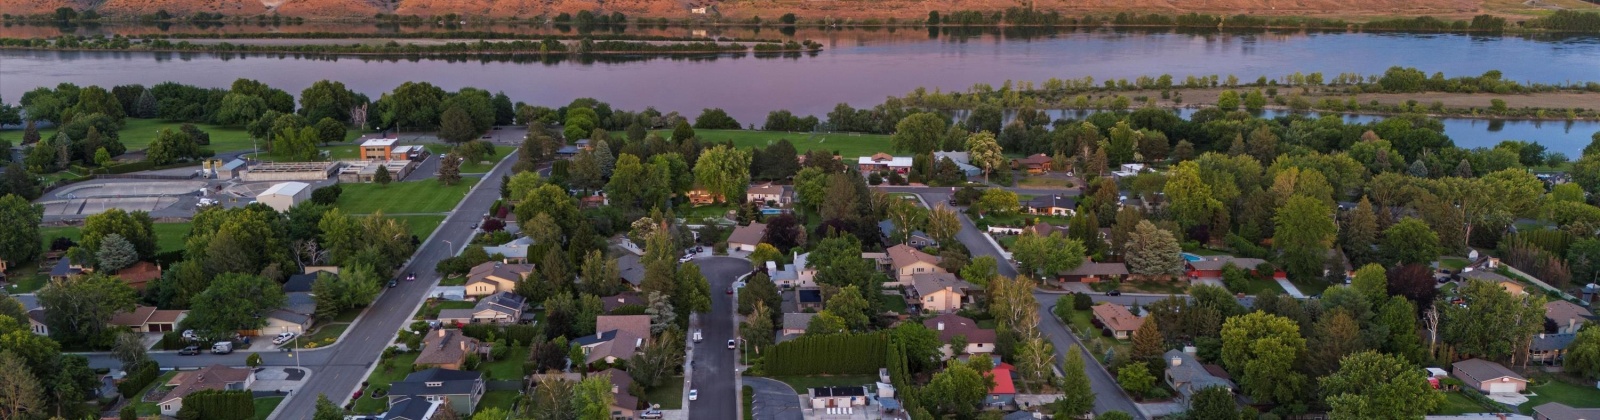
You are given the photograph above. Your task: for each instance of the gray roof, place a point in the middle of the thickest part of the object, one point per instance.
(300, 282)
(455, 313)
(451, 382)
(291, 317)
(1483, 370)
(797, 321)
(300, 303)
(409, 409)
(64, 268)
(934, 282)
(1488, 276)
(1548, 342)
(1191, 372)
(632, 269)
(595, 339)
(233, 164)
(515, 249)
(567, 150)
(1559, 411)
(1047, 200)
(504, 302)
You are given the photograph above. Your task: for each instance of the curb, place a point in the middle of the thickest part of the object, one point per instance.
(285, 403)
(1084, 351)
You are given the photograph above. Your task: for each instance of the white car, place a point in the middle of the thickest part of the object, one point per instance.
(685, 258)
(694, 394)
(283, 338)
(730, 344)
(190, 335)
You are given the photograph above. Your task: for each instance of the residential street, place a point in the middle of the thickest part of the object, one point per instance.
(338, 369)
(713, 372)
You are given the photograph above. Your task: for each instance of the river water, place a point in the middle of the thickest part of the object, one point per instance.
(863, 67)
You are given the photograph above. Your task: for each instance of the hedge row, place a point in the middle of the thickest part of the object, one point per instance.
(212, 404)
(140, 376)
(837, 354)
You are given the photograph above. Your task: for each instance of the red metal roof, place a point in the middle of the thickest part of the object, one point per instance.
(1002, 379)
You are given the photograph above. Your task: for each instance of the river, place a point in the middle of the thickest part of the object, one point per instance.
(863, 67)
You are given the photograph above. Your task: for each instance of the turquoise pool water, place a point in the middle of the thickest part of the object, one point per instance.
(1191, 257)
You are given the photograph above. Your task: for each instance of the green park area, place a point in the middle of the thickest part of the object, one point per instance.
(849, 145)
(474, 167)
(424, 196)
(1552, 390)
(137, 133)
(169, 236)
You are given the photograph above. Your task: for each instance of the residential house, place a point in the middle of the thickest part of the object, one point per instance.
(1004, 391)
(460, 390)
(498, 308)
(950, 326)
(1186, 375)
(514, 252)
(884, 162)
(1051, 205)
(620, 300)
(148, 319)
(796, 323)
(412, 409)
(1036, 164)
(297, 294)
(776, 195)
(36, 322)
(1559, 411)
(1041, 229)
(916, 238)
(65, 269)
(938, 292)
(1512, 287)
(797, 274)
(906, 261)
(837, 396)
(624, 405)
(1488, 377)
(1128, 169)
(139, 274)
(495, 277)
(567, 152)
(448, 348)
(283, 320)
(617, 337)
(808, 298)
(1093, 272)
(1116, 320)
(1550, 348)
(594, 201)
(214, 377)
(1492, 277)
(1211, 267)
(700, 197)
(632, 268)
(1568, 316)
(745, 238)
(962, 160)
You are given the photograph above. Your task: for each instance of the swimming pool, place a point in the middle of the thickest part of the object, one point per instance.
(1191, 257)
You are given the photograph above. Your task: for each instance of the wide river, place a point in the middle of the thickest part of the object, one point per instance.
(863, 67)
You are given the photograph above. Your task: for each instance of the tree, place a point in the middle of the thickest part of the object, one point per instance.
(1228, 100)
(20, 220)
(171, 146)
(764, 252)
(456, 126)
(381, 177)
(1371, 384)
(1304, 233)
(851, 306)
(21, 395)
(1135, 378)
(682, 132)
(81, 306)
(1148, 343)
(998, 201)
(1261, 349)
(145, 106)
(297, 145)
(592, 398)
(1153, 252)
(693, 292)
(943, 224)
(919, 133)
(115, 253)
(1494, 324)
(1044, 256)
(330, 130)
(985, 152)
(21, 181)
(723, 171)
(128, 348)
(907, 217)
(449, 169)
(1192, 200)
(1213, 402)
(1372, 282)
(1337, 335)
(234, 302)
(1077, 396)
(757, 331)
(980, 270)
(1359, 233)
(957, 390)
(1410, 242)
(1583, 355)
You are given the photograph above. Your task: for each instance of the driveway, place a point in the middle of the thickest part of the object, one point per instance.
(714, 375)
(774, 399)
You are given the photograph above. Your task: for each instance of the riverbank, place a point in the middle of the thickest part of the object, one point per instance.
(1584, 105)
(410, 49)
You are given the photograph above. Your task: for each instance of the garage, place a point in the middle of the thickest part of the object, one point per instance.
(1503, 388)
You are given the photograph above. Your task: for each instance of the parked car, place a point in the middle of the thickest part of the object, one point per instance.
(189, 351)
(650, 414)
(730, 344)
(730, 290)
(697, 336)
(393, 283)
(694, 394)
(283, 338)
(1114, 293)
(190, 335)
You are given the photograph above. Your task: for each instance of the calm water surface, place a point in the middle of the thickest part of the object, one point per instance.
(864, 67)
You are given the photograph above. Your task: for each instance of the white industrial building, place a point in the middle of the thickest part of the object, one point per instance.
(285, 195)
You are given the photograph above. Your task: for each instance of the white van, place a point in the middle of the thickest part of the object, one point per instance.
(697, 336)
(222, 347)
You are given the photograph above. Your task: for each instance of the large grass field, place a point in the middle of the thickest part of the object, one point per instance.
(1561, 392)
(422, 226)
(137, 133)
(424, 196)
(1456, 404)
(169, 236)
(849, 145)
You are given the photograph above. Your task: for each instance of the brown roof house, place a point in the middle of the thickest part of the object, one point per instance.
(950, 326)
(139, 274)
(745, 238)
(146, 319)
(1568, 316)
(1036, 164)
(938, 292)
(906, 261)
(617, 337)
(1559, 411)
(1093, 272)
(447, 348)
(624, 405)
(1116, 320)
(214, 377)
(1489, 377)
(494, 277)
(617, 301)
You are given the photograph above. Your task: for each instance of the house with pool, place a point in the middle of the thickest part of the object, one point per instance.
(1197, 267)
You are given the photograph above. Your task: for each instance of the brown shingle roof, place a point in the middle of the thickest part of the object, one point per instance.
(1483, 370)
(1090, 268)
(613, 302)
(1562, 311)
(1116, 317)
(164, 316)
(621, 381)
(139, 273)
(751, 234)
(637, 325)
(445, 346)
(955, 325)
(209, 377)
(903, 255)
(1559, 411)
(139, 316)
(1037, 159)
(512, 272)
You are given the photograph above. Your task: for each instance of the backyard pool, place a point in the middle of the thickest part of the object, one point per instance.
(1191, 257)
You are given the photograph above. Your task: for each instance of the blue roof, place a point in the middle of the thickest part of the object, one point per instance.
(567, 150)
(591, 339)
(451, 382)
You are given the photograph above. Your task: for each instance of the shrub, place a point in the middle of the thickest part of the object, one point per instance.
(140, 376)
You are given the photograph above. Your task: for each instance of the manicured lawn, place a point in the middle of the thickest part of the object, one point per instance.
(137, 134)
(669, 395)
(453, 281)
(1018, 220)
(349, 315)
(803, 382)
(264, 406)
(26, 280)
(749, 397)
(508, 368)
(849, 145)
(1080, 321)
(425, 196)
(323, 337)
(1561, 392)
(455, 304)
(151, 408)
(1207, 252)
(474, 167)
(1456, 404)
(1043, 182)
(709, 211)
(1452, 263)
(1311, 287)
(498, 399)
(380, 379)
(422, 226)
(1007, 241)
(1256, 285)
(169, 236)
(894, 303)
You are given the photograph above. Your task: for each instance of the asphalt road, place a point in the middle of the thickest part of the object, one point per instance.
(338, 369)
(713, 373)
(774, 400)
